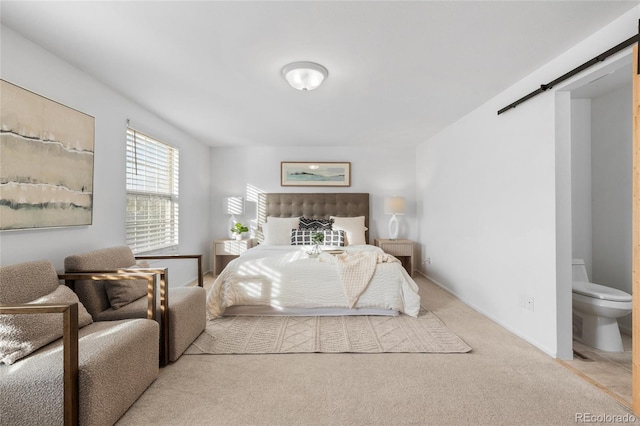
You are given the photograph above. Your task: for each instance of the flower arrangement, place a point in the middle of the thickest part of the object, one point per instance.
(317, 238)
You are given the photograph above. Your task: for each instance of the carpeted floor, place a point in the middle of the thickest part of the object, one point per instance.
(327, 334)
(503, 381)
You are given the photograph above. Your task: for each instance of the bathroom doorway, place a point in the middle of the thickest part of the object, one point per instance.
(601, 205)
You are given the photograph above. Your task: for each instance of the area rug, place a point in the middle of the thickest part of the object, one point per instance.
(360, 334)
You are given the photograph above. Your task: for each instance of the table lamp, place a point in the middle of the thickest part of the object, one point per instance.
(394, 206)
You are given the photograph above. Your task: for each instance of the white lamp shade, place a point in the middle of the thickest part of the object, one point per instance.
(234, 205)
(394, 205)
(304, 75)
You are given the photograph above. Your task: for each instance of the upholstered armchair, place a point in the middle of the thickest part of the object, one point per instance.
(181, 309)
(57, 365)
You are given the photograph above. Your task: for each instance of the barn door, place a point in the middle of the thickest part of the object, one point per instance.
(636, 234)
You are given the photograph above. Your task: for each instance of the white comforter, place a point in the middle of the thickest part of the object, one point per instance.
(286, 277)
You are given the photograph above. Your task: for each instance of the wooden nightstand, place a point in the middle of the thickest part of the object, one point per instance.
(225, 250)
(402, 249)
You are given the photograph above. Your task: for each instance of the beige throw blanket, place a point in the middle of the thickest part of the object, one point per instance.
(356, 270)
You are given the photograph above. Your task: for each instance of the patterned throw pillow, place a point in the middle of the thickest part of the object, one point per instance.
(303, 238)
(310, 223)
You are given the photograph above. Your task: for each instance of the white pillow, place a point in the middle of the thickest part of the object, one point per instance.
(277, 230)
(353, 228)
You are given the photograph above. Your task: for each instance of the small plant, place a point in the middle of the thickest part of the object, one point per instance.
(239, 229)
(317, 237)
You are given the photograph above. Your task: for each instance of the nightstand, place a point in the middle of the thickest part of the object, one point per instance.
(402, 249)
(225, 250)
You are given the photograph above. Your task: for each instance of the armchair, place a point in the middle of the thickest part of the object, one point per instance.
(105, 366)
(182, 316)
(69, 349)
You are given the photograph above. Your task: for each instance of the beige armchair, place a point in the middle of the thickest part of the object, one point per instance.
(181, 309)
(57, 369)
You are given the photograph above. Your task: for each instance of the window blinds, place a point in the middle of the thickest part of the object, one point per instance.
(152, 193)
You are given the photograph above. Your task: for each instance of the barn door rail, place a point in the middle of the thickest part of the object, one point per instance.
(600, 58)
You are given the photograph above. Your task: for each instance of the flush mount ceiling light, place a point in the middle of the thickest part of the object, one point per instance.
(304, 75)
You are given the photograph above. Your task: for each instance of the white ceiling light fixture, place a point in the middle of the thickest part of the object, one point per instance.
(304, 75)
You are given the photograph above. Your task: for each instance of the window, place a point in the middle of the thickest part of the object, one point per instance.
(152, 194)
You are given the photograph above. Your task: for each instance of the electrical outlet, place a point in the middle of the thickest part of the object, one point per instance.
(427, 260)
(528, 303)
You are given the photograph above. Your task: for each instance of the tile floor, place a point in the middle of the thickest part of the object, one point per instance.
(609, 370)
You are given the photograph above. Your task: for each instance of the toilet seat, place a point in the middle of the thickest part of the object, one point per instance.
(598, 291)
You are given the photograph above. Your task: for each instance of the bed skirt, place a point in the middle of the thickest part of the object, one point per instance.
(249, 310)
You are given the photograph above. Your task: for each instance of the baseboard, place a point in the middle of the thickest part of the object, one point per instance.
(543, 348)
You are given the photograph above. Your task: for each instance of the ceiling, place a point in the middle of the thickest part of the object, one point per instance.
(399, 71)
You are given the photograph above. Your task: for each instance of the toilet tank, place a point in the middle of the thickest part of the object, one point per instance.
(579, 271)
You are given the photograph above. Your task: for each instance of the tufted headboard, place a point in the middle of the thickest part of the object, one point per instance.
(315, 205)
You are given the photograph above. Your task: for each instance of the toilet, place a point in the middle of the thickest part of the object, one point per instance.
(596, 309)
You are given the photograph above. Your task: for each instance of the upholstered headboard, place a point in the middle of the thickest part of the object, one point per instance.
(314, 205)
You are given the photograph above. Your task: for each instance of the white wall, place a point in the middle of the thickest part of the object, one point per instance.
(612, 149)
(490, 215)
(27, 65)
(581, 181)
(380, 171)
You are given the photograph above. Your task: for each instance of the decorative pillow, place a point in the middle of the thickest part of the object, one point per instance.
(277, 230)
(353, 228)
(303, 237)
(123, 292)
(24, 333)
(310, 223)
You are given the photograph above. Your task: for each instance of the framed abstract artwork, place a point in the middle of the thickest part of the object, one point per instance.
(46, 162)
(296, 173)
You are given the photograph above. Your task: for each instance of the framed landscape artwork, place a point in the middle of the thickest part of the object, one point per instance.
(295, 173)
(46, 162)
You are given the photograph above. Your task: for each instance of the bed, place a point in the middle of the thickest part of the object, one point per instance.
(278, 278)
